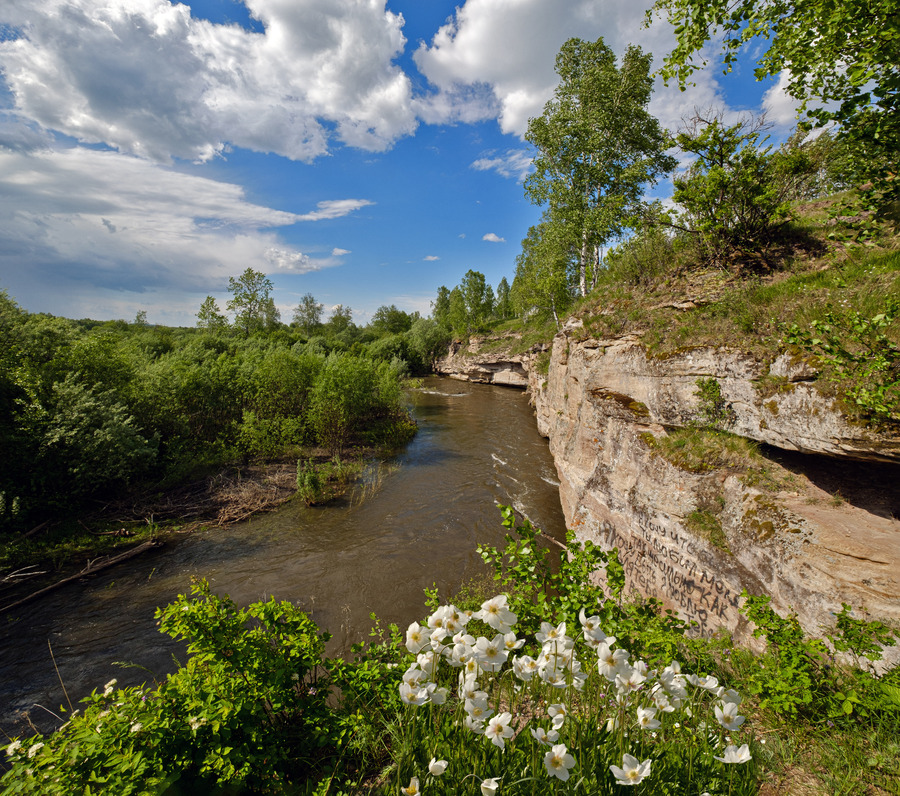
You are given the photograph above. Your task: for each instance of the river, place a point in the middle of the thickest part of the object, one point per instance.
(413, 522)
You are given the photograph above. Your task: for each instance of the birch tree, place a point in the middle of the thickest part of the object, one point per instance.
(598, 148)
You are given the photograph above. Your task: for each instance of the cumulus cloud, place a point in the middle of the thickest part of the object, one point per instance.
(146, 77)
(779, 106)
(513, 163)
(493, 238)
(486, 61)
(130, 226)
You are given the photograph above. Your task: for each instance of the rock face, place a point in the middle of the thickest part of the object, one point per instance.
(819, 530)
(469, 363)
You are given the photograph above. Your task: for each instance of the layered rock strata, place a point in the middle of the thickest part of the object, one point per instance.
(821, 530)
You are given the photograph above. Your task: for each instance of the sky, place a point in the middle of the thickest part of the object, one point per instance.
(362, 151)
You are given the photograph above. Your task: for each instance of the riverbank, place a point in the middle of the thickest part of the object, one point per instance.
(57, 553)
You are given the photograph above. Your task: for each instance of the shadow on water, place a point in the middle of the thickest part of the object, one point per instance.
(417, 524)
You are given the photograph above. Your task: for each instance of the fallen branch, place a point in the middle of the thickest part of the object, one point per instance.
(91, 569)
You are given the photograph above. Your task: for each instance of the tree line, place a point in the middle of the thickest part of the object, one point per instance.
(597, 150)
(90, 409)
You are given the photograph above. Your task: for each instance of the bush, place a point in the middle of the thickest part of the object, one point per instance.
(736, 195)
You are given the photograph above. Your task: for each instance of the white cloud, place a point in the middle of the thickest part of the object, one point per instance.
(488, 60)
(431, 258)
(336, 252)
(334, 208)
(513, 163)
(132, 228)
(779, 106)
(146, 77)
(493, 238)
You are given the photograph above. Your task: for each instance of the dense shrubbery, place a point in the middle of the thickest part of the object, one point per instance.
(567, 690)
(91, 408)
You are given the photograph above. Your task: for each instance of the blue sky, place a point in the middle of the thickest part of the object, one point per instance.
(362, 151)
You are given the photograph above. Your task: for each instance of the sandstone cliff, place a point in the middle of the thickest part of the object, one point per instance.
(810, 519)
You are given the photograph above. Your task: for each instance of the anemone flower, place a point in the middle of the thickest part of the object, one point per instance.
(496, 614)
(735, 754)
(437, 767)
(498, 729)
(543, 737)
(412, 789)
(489, 786)
(727, 716)
(558, 762)
(632, 772)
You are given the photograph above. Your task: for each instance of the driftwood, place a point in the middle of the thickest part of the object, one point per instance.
(91, 569)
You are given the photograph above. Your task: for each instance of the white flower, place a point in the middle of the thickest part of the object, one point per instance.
(511, 642)
(495, 613)
(34, 749)
(196, 722)
(727, 716)
(473, 724)
(735, 754)
(498, 729)
(436, 694)
(413, 676)
(489, 786)
(610, 662)
(632, 772)
(416, 638)
(108, 688)
(558, 713)
(544, 737)
(558, 762)
(550, 633)
(478, 709)
(437, 767)
(13, 748)
(412, 789)
(524, 667)
(136, 727)
(490, 655)
(411, 695)
(731, 696)
(646, 719)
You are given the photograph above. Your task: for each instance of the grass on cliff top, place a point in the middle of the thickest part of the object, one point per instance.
(674, 305)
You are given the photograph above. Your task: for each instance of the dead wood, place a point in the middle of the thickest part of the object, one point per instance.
(92, 568)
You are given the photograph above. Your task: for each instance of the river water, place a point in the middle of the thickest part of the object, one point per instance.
(413, 522)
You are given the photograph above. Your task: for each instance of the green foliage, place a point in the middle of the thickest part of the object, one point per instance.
(864, 361)
(546, 279)
(308, 315)
(805, 42)
(597, 148)
(210, 317)
(251, 302)
(96, 408)
(736, 194)
(788, 679)
(714, 411)
(252, 710)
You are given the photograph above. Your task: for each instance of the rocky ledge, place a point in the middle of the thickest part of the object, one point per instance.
(814, 527)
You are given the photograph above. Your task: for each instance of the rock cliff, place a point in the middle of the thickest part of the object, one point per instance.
(808, 516)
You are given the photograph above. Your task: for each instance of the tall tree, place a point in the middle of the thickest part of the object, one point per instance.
(341, 319)
(209, 316)
(478, 297)
(503, 308)
(841, 61)
(597, 148)
(545, 272)
(441, 307)
(308, 314)
(251, 302)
